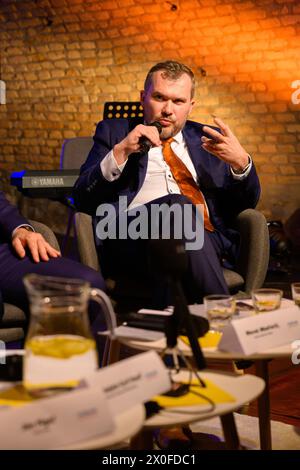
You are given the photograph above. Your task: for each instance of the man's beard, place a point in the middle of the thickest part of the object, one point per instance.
(167, 132)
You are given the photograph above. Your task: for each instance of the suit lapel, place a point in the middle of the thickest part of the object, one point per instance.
(134, 175)
(142, 169)
(143, 164)
(198, 155)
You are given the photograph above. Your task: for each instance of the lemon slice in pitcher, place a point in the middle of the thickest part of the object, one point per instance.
(60, 346)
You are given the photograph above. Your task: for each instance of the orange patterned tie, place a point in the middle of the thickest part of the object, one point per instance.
(185, 181)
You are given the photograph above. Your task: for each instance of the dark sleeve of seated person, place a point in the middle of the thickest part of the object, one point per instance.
(23, 251)
(1, 305)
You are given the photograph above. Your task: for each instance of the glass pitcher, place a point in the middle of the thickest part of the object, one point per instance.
(59, 347)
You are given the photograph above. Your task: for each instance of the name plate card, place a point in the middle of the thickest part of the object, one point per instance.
(260, 332)
(131, 381)
(52, 423)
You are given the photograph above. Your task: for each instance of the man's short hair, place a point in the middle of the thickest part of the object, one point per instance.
(172, 70)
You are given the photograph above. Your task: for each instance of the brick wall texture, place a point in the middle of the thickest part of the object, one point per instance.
(62, 59)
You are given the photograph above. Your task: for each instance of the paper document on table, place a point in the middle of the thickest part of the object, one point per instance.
(137, 333)
(195, 309)
(148, 311)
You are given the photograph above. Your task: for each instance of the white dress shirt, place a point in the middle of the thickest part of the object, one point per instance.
(159, 180)
(27, 226)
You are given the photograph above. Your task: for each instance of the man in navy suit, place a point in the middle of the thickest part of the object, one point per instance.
(23, 251)
(212, 159)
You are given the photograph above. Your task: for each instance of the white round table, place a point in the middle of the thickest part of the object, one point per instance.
(260, 361)
(127, 424)
(243, 388)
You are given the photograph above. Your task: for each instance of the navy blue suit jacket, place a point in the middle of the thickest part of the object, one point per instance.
(10, 218)
(225, 196)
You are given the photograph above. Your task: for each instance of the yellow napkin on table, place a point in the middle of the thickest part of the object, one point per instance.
(16, 395)
(19, 395)
(210, 340)
(211, 391)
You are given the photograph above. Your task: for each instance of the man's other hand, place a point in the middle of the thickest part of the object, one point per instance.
(24, 240)
(225, 145)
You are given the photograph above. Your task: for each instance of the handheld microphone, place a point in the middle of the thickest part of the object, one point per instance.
(144, 143)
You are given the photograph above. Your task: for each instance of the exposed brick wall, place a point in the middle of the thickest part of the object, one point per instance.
(62, 59)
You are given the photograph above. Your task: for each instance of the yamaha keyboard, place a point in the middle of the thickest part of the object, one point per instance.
(50, 184)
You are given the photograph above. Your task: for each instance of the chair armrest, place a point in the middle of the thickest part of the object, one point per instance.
(254, 253)
(46, 232)
(85, 240)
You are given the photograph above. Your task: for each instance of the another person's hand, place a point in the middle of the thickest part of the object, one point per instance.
(225, 146)
(131, 144)
(24, 240)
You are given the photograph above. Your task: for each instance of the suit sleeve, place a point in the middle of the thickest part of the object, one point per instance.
(92, 188)
(10, 218)
(244, 193)
(227, 200)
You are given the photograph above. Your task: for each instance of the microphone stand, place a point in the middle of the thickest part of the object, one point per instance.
(181, 317)
(168, 257)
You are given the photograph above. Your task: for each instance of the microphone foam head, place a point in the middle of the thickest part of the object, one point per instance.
(157, 125)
